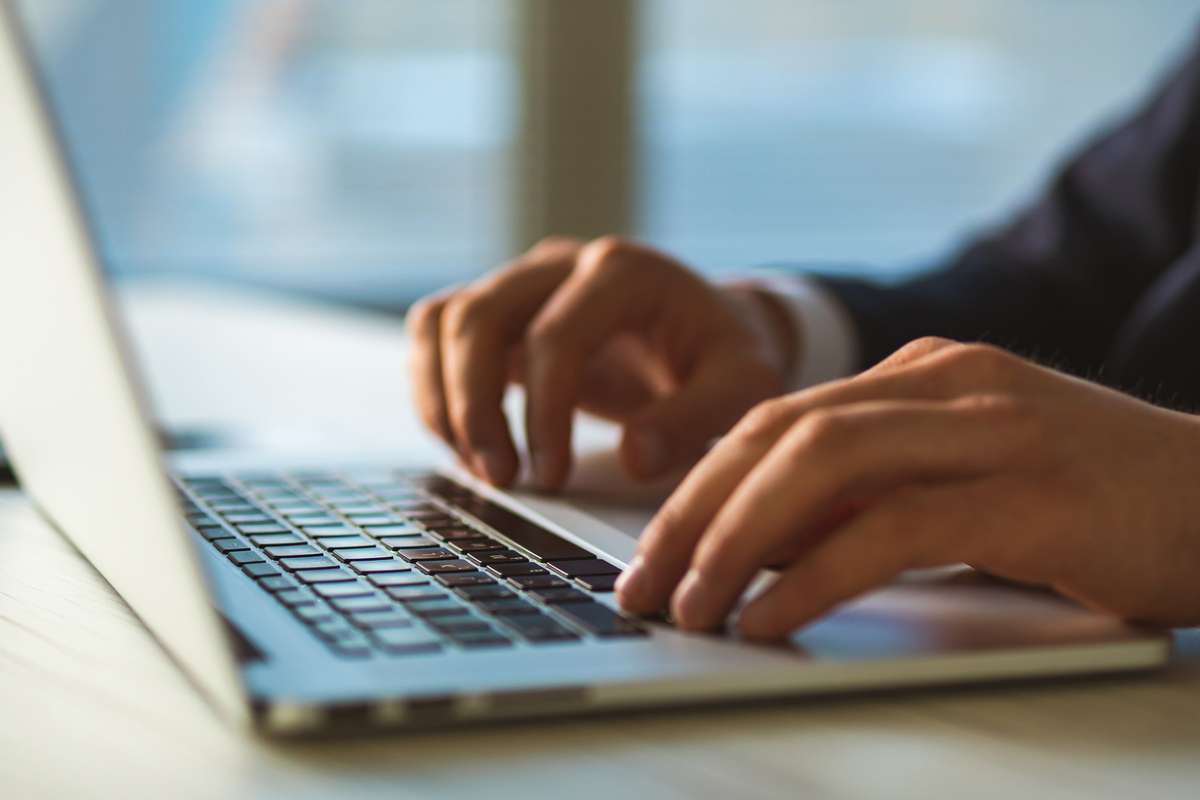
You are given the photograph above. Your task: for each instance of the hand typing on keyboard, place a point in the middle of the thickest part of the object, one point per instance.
(609, 327)
(944, 453)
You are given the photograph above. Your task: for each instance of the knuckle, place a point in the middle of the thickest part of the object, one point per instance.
(981, 362)
(422, 313)
(761, 422)
(819, 431)
(465, 314)
(605, 256)
(916, 350)
(925, 345)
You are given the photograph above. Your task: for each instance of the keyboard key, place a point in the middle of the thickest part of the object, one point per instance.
(427, 513)
(564, 595)
(600, 619)
(342, 589)
(371, 567)
(372, 519)
(462, 535)
(402, 641)
(513, 570)
(307, 563)
(416, 594)
(347, 639)
(362, 509)
(365, 603)
(408, 542)
(212, 533)
(465, 579)
(313, 614)
(298, 508)
(381, 619)
(481, 639)
(507, 607)
(260, 569)
(295, 597)
(393, 530)
(243, 557)
(344, 542)
(262, 528)
(477, 546)
(540, 628)
(435, 554)
(314, 520)
(455, 625)
(231, 504)
(228, 543)
(584, 567)
(362, 554)
(538, 582)
(324, 576)
(276, 539)
(439, 610)
(445, 567)
(598, 583)
(408, 578)
(248, 519)
(477, 593)
(291, 550)
(277, 583)
(502, 557)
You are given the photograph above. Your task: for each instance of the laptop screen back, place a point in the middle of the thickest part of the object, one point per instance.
(71, 412)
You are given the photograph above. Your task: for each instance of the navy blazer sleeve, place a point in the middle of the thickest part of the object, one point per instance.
(1059, 280)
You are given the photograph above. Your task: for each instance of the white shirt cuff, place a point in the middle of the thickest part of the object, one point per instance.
(827, 347)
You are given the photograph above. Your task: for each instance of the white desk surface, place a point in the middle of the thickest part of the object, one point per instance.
(90, 706)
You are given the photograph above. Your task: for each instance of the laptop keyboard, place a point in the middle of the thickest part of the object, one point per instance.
(404, 564)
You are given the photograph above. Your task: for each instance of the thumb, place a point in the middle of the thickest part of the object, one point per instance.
(675, 429)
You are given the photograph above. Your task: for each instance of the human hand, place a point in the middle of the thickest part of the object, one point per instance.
(943, 454)
(609, 327)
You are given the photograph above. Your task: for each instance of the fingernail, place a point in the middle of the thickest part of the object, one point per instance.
(689, 602)
(631, 583)
(490, 465)
(653, 456)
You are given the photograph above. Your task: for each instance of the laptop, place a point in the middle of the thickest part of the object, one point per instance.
(312, 598)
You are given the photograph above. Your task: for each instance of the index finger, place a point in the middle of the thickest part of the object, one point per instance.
(479, 327)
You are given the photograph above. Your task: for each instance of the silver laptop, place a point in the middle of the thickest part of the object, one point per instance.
(317, 597)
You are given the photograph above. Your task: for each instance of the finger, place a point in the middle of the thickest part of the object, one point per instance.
(478, 328)
(666, 545)
(680, 426)
(921, 527)
(622, 379)
(591, 306)
(425, 364)
(826, 459)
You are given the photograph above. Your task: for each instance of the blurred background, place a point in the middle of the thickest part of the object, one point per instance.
(368, 151)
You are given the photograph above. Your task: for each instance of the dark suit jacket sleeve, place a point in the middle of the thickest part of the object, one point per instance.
(1057, 282)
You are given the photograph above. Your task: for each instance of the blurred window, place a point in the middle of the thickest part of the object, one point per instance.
(372, 150)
